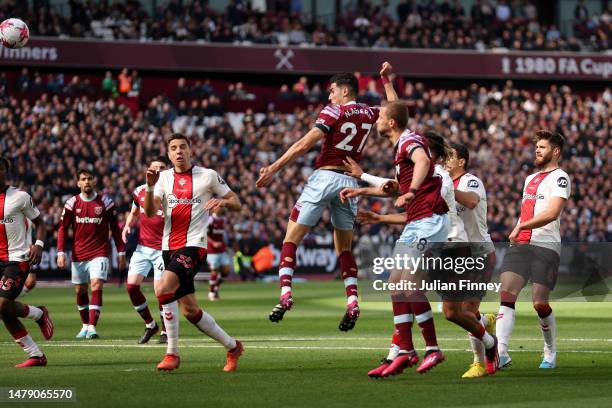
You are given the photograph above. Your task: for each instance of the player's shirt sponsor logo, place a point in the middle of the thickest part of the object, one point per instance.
(562, 182)
(173, 201)
(533, 196)
(7, 220)
(473, 184)
(89, 220)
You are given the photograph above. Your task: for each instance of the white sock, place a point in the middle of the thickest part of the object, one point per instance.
(487, 340)
(483, 320)
(393, 352)
(29, 346)
(548, 325)
(171, 319)
(91, 328)
(34, 313)
(150, 325)
(85, 326)
(285, 271)
(209, 326)
(505, 324)
(478, 348)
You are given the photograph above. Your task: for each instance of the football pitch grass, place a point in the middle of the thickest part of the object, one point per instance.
(304, 360)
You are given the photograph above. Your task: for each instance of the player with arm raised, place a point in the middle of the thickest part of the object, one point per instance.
(186, 193)
(146, 257)
(536, 247)
(344, 126)
(426, 223)
(16, 256)
(471, 198)
(92, 217)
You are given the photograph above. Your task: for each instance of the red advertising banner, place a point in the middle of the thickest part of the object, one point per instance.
(52, 52)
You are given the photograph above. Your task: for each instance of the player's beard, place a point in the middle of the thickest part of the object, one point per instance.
(543, 161)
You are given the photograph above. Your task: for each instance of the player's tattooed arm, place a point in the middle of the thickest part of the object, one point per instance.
(385, 72)
(298, 149)
(229, 201)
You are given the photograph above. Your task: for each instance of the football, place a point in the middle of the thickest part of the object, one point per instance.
(14, 33)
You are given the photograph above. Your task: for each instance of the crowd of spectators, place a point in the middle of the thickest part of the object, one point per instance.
(49, 139)
(511, 24)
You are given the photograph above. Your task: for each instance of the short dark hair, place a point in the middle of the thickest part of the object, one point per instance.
(346, 79)
(438, 145)
(556, 139)
(462, 152)
(6, 162)
(398, 111)
(160, 159)
(178, 136)
(85, 171)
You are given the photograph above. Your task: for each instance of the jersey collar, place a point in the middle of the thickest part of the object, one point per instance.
(88, 199)
(350, 103)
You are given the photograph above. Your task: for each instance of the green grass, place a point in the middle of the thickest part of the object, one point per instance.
(305, 360)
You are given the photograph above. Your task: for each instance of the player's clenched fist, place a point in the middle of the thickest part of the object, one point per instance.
(152, 176)
(387, 69)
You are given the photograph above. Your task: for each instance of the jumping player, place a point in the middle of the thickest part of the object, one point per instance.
(91, 216)
(185, 194)
(537, 247)
(344, 126)
(146, 257)
(16, 256)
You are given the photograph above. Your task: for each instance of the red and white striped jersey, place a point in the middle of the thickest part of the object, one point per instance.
(183, 198)
(151, 228)
(346, 129)
(539, 189)
(16, 208)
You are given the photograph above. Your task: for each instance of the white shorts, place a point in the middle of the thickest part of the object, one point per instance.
(321, 191)
(423, 235)
(83, 272)
(216, 261)
(144, 259)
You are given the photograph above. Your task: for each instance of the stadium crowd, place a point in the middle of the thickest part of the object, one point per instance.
(412, 24)
(48, 138)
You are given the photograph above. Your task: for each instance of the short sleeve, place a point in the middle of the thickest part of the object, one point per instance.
(328, 116)
(29, 209)
(218, 185)
(473, 185)
(561, 186)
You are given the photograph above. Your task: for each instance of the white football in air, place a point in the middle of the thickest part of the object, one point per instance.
(14, 33)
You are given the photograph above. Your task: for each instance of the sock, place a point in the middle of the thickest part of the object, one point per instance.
(139, 302)
(82, 300)
(424, 317)
(483, 320)
(161, 315)
(348, 269)
(207, 325)
(32, 312)
(95, 308)
(27, 344)
(395, 349)
(505, 321)
(171, 320)
(286, 266)
(487, 340)
(478, 348)
(212, 283)
(402, 320)
(548, 325)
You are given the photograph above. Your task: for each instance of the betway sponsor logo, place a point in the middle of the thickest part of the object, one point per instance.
(89, 220)
(30, 53)
(7, 220)
(173, 201)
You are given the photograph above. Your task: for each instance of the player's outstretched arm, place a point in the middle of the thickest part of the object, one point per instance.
(370, 217)
(385, 72)
(354, 170)
(298, 149)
